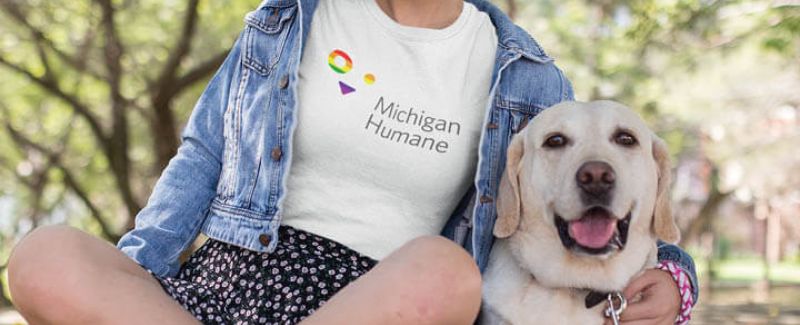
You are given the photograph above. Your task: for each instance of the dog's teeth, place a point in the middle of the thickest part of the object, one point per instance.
(617, 241)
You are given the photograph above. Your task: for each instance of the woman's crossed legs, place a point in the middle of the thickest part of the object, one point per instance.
(60, 275)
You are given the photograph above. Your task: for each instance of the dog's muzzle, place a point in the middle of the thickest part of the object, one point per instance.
(596, 232)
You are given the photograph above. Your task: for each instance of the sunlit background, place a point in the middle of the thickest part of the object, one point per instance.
(93, 95)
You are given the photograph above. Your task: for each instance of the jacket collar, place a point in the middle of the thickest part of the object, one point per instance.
(509, 35)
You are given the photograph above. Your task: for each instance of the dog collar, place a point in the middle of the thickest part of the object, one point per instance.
(593, 298)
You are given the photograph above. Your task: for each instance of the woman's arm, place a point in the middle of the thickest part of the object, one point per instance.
(180, 200)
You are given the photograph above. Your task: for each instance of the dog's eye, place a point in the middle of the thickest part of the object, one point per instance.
(556, 141)
(625, 139)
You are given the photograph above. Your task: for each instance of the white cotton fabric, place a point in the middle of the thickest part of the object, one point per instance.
(377, 162)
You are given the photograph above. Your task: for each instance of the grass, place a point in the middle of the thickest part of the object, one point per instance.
(748, 270)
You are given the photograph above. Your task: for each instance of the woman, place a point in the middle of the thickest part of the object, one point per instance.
(384, 110)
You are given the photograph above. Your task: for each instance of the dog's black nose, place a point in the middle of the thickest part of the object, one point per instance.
(596, 178)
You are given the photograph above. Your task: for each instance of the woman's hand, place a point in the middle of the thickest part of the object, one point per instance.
(653, 298)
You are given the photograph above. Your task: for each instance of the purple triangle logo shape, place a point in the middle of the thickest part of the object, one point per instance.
(345, 88)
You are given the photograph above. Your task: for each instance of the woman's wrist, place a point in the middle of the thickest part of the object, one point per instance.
(684, 285)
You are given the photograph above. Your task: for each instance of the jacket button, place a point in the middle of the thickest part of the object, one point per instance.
(486, 199)
(276, 153)
(264, 239)
(491, 126)
(284, 81)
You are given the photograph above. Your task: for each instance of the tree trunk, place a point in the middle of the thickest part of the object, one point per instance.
(120, 168)
(165, 134)
(703, 223)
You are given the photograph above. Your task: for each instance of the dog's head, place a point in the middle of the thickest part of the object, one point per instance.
(585, 196)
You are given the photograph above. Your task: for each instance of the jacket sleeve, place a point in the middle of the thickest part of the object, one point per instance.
(179, 203)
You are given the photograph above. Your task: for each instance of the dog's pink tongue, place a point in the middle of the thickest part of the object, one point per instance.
(593, 230)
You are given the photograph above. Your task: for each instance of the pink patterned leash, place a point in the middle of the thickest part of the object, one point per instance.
(684, 288)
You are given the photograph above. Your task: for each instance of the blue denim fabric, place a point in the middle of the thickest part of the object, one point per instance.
(229, 175)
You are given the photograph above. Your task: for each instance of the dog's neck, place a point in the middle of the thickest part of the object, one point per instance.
(592, 297)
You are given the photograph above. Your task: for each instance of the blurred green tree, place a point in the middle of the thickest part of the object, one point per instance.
(693, 68)
(90, 96)
(92, 100)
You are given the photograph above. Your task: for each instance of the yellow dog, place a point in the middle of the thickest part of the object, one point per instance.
(582, 202)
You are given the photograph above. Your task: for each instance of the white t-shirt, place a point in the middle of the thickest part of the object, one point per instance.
(388, 124)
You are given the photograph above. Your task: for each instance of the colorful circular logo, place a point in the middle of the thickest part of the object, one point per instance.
(348, 63)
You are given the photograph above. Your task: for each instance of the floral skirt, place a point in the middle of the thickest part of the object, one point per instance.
(226, 284)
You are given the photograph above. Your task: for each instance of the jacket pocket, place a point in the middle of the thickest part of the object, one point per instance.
(519, 114)
(265, 35)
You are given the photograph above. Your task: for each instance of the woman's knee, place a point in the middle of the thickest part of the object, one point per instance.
(440, 255)
(44, 269)
(444, 280)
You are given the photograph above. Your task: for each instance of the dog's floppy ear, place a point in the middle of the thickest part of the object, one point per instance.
(663, 223)
(508, 200)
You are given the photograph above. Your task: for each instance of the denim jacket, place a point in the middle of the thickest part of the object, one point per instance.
(229, 175)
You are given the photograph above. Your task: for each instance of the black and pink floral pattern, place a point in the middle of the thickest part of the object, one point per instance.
(226, 284)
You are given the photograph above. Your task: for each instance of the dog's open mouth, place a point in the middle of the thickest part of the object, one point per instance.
(596, 232)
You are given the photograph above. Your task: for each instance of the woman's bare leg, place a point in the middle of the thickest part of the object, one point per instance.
(430, 280)
(60, 275)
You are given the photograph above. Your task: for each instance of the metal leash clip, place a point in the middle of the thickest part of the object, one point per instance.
(612, 311)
